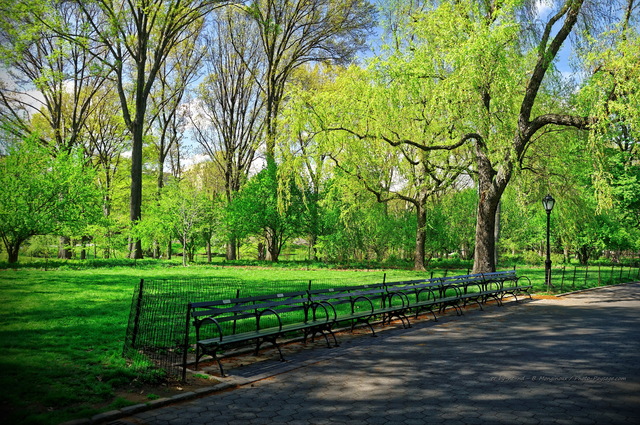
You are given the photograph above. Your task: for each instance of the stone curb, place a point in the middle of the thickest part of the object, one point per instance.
(161, 402)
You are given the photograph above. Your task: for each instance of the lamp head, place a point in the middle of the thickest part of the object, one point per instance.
(548, 202)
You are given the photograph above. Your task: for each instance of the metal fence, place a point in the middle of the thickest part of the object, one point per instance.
(156, 327)
(585, 277)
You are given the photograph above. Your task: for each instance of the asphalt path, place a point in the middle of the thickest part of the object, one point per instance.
(570, 360)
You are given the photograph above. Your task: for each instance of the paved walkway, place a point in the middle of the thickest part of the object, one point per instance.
(572, 360)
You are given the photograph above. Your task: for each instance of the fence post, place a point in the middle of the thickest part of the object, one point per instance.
(586, 276)
(611, 276)
(185, 347)
(233, 328)
(573, 282)
(384, 279)
(599, 281)
(620, 271)
(562, 281)
(136, 321)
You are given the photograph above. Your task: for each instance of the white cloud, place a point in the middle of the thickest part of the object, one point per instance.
(543, 8)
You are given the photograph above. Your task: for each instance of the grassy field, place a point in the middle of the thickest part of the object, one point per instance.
(62, 328)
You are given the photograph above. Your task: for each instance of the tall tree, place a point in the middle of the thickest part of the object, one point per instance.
(49, 77)
(495, 174)
(495, 66)
(229, 119)
(140, 35)
(296, 32)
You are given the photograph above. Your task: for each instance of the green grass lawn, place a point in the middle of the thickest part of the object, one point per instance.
(62, 329)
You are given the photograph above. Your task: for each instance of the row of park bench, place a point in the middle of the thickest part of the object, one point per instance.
(266, 318)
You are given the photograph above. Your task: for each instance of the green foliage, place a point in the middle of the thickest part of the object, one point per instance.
(182, 212)
(258, 210)
(44, 194)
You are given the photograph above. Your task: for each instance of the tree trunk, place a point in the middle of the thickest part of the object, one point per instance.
(491, 185)
(12, 252)
(209, 256)
(64, 252)
(421, 238)
(313, 255)
(83, 251)
(273, 247)
(484, 255)
(231, 248)
(135, 206)
(184, 250)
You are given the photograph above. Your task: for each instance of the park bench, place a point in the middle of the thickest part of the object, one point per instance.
(421, 295)
(264, 318)
(362, 304)
(473, 288)
(510, 283)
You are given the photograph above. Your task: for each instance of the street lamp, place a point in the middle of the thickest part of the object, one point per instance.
(548, 202)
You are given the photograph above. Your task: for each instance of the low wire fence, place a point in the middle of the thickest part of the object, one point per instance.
(574, 278)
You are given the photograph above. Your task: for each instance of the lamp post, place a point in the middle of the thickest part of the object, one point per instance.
(548, 202)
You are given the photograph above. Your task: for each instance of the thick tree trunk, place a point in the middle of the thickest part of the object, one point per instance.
(12, 253)
(231, 248)
(273, 247)
(484, 256)
(491, 185)
(421, 238)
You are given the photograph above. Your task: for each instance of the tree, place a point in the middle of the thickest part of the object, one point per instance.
(140, 36)
(180, 213)
(257, 211)
(44, 194)
(495, 67)
(293, 33)
(228, 121)
(382, 126)
(49, 78)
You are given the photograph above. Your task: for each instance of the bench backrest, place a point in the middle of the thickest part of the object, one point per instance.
(236, 315)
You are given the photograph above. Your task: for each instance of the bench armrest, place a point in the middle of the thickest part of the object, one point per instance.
(398, 294)
(199, 323)
(362, 297)
(329, 310)
(261, 313)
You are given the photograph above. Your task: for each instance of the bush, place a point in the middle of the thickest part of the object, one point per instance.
(532, 258)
